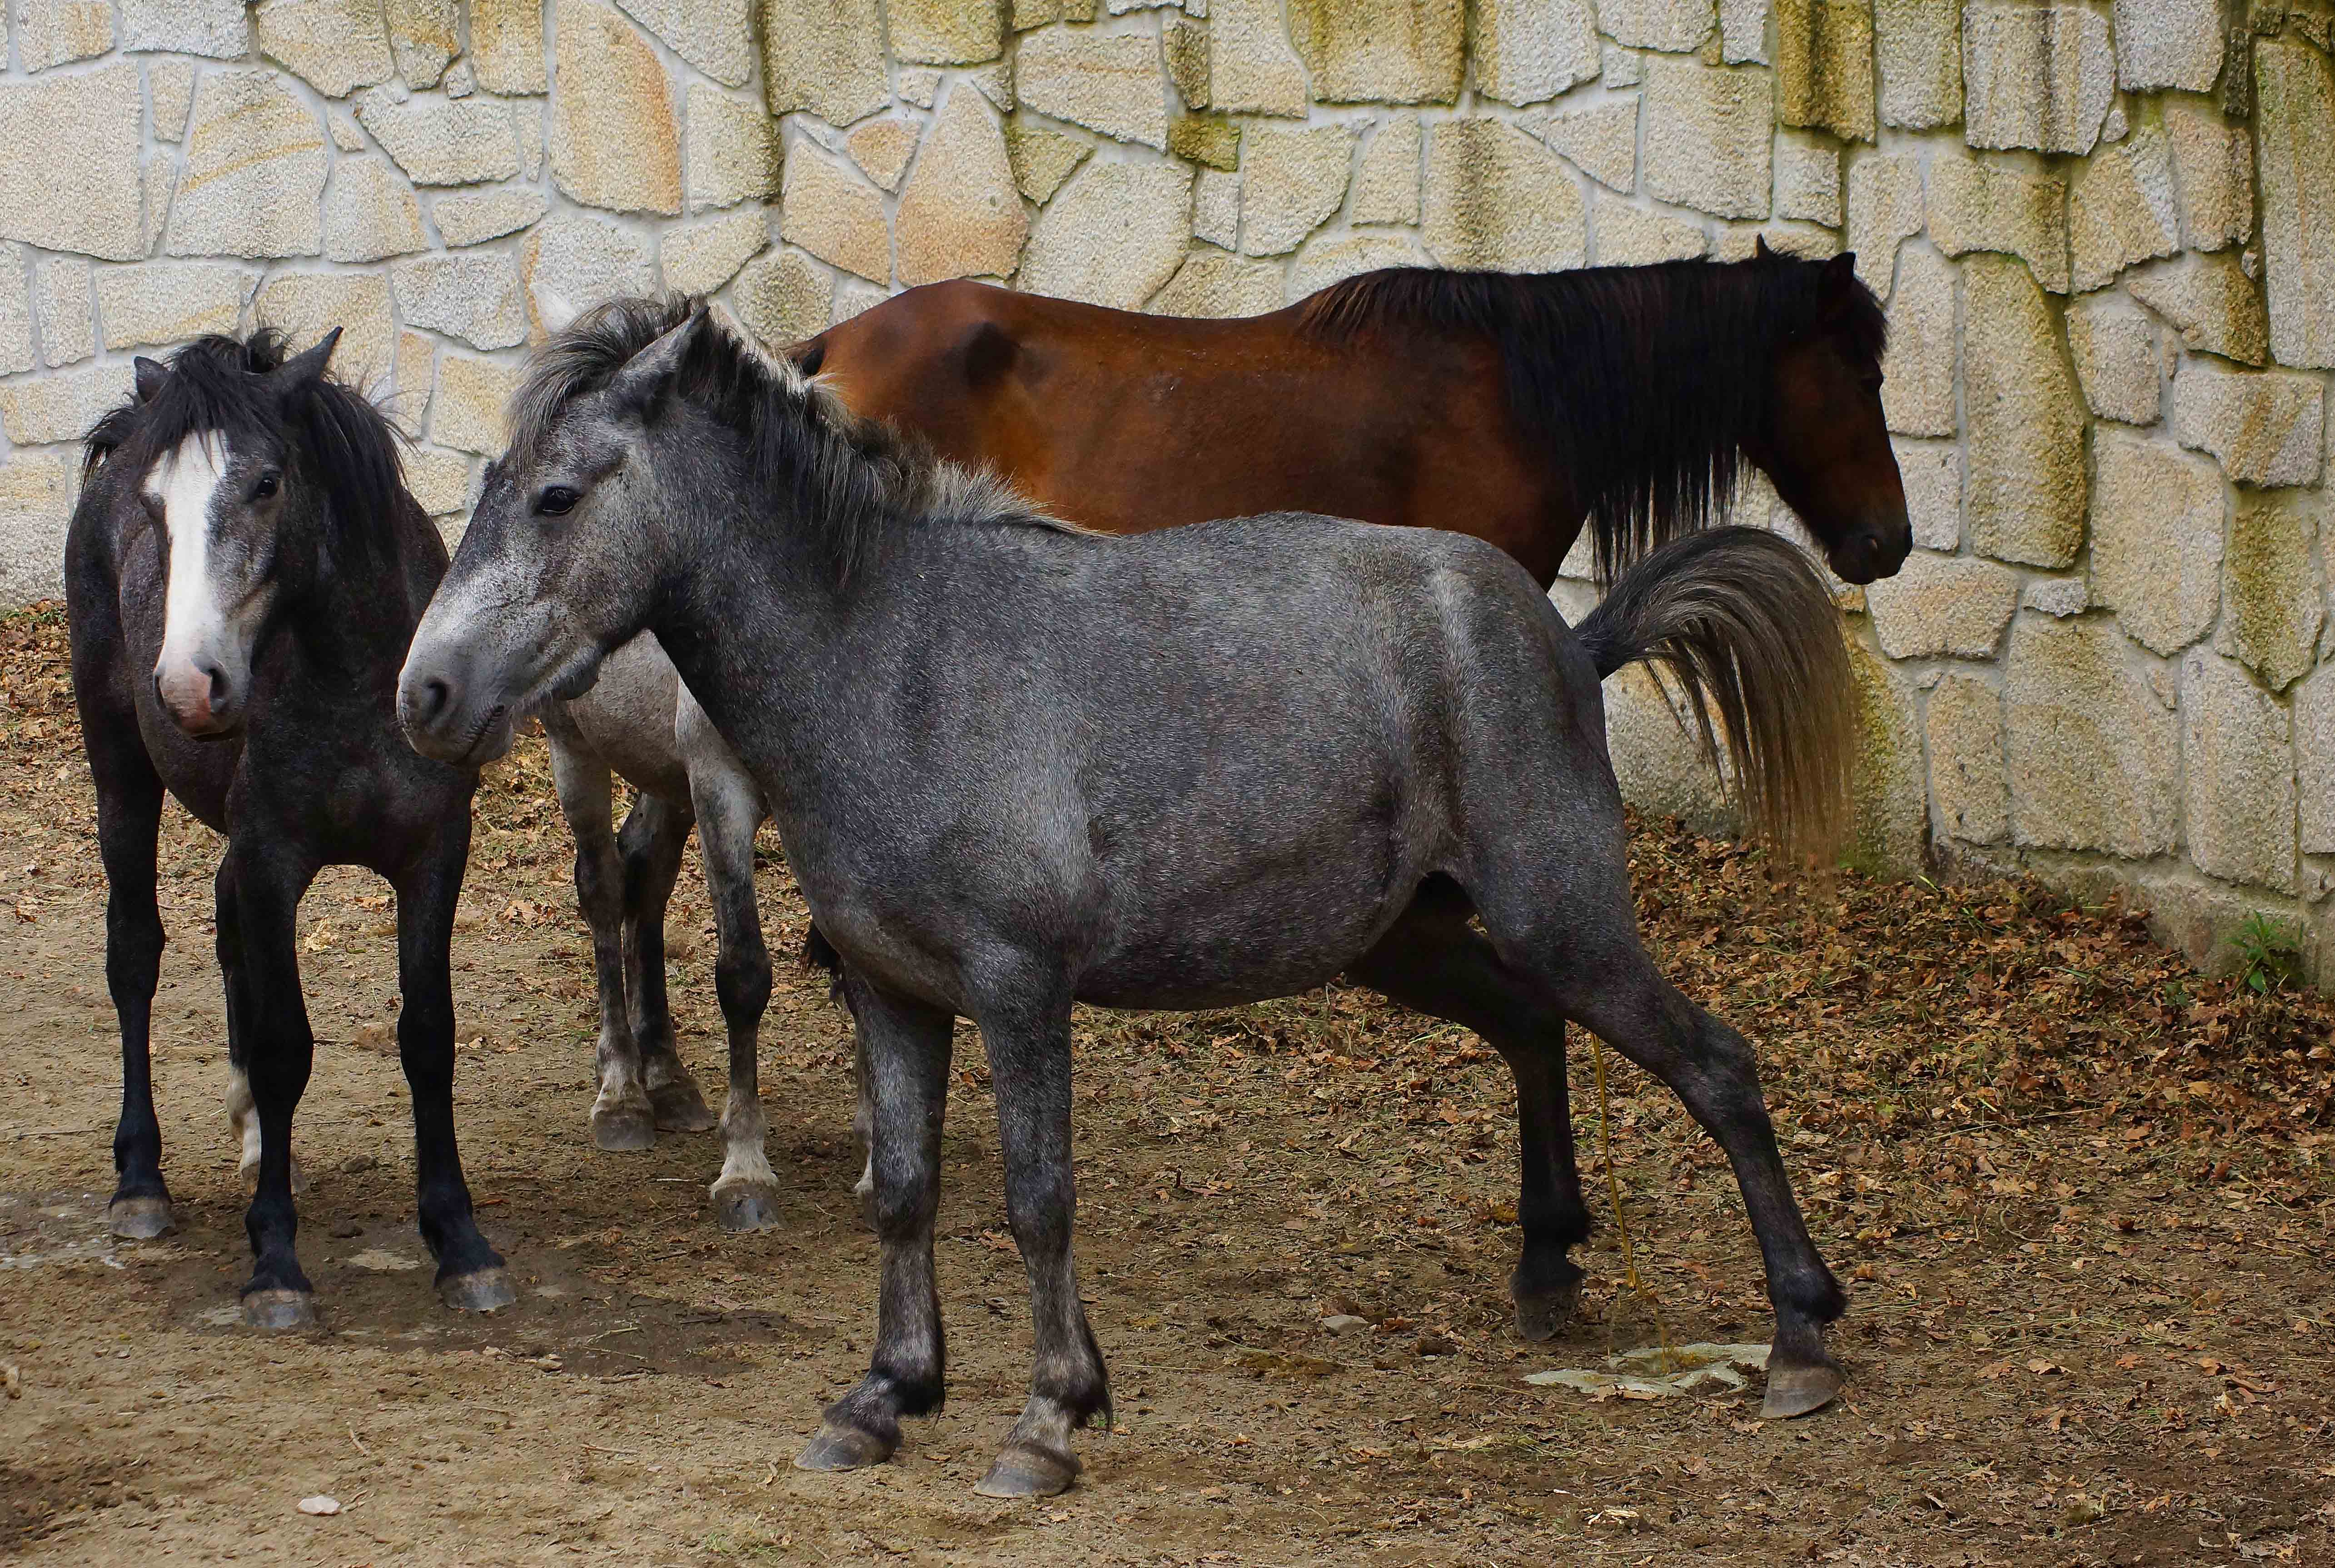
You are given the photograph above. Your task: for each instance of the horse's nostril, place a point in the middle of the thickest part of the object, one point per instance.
(435, 695)
(216, 679)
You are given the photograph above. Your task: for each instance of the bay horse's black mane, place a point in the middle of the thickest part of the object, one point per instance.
(847, 476)
(1641, 382)
(217, 384)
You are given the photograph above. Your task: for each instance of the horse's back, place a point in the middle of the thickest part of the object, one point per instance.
(1129, 423)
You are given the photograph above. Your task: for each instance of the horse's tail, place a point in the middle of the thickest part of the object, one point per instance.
(1743, 622)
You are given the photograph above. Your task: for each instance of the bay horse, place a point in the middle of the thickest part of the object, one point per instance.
(1018, 764)
(1515, 407)
(243, 572)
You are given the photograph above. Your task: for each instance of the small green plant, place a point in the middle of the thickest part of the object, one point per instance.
(2270, 954)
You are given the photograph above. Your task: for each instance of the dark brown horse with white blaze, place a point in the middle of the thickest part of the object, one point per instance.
(1519, 409)
(243, 573)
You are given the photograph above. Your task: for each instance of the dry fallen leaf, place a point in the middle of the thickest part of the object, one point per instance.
(2081, 1510)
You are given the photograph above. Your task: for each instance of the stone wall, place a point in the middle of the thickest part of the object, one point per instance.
(2105, 230)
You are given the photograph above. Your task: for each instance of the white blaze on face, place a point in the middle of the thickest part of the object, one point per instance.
(194, 626)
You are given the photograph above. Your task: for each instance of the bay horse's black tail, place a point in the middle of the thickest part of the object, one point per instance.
(1740, 618)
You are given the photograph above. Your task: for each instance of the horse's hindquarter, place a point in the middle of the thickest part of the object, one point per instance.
(1129, 423)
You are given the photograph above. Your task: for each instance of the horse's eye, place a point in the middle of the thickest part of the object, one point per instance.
(557, 501)
(266, 488)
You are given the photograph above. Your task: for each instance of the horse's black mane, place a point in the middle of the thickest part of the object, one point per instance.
(217, 383)
(1641, 382)
(847, 476)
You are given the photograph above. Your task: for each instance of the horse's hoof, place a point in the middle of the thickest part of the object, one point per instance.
(624, 1129)
(279, 1310)
(679, 1108)
(739, 1208)
(1545, 1315)
(864, 1192)
(138, 1219)
(483, 1290)
(1795, 1389)
(1021, 1471)
(835, 1448)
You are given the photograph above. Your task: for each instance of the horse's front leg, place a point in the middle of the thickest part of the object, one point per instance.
(470, 1275)
(129, 816)
(1028, 1039)
(729, 810)
(907, 1046)
(622, 1120)
(258, 909)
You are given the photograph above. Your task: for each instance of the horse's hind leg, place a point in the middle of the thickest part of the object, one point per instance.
(470, 1275)
(259, 906)
(242, 1110)
(1604, 980)
(908, 1045)
(128, 817)
(653, 834)
(620, 1117)
(729, 810)
(1433, 962)
(1028, 1038)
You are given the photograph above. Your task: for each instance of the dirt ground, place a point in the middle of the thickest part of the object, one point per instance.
(2081, 1197)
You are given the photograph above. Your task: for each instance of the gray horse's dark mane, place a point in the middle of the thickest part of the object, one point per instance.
(1643, 382)
(851, 478)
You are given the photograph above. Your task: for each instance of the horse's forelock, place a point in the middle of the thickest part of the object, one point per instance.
(580, 359)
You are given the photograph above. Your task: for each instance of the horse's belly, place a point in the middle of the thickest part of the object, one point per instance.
(1273, 934)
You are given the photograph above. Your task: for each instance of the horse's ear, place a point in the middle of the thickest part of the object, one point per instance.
(151, 376)
(1839, 288)
(306, 368)
(1759, 250)
(552, 309)
(647, 372)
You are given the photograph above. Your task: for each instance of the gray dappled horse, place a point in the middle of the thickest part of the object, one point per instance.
(242, 574)
(1018, 766)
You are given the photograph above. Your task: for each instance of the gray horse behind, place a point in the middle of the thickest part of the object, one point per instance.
(639, 723)
(1017, 766)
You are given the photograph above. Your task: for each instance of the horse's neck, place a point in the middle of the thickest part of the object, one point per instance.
(784, 655)
(742, 614)
(1660, 434)
(349, 611)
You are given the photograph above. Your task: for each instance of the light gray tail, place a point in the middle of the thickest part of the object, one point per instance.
(1742, 622)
